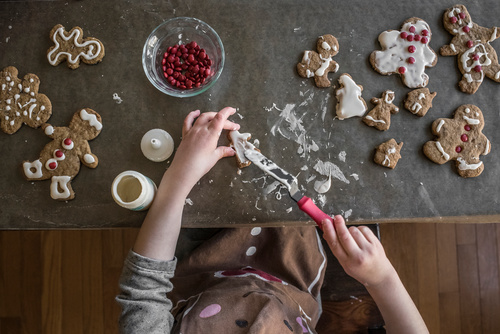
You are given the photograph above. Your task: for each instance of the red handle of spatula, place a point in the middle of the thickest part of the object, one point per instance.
(307, 205)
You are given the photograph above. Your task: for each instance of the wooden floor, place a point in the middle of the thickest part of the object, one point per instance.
(65, 281)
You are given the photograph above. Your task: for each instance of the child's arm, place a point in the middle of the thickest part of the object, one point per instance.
(362, 256)
(197, 154)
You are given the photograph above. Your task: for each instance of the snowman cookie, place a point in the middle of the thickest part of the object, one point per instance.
(60, 159)
(20, 101)
(460, 139)
(471, 44)
(349, 100)
(317, 65)
(380, 116)
(406, 52)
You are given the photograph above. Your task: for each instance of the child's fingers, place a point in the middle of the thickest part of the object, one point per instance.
(189, 120)
(359, 237)
(220, 121)
(345, 237)
(331, 238)
(224, 152)
(370, 237)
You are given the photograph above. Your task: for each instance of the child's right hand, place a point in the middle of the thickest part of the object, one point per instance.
(359, 252)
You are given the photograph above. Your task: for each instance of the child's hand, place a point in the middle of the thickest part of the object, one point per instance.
(198, 151)
(359, 252)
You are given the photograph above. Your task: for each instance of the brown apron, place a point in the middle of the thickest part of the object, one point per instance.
(251, 280)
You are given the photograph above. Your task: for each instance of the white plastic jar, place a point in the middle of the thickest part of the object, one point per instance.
(133, 191)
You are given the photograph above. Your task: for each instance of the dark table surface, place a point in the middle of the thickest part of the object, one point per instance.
(263, 41)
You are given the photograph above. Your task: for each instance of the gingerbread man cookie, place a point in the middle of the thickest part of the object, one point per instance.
(60, 159)
(471, 45)
(406, 52)
(388, 154)
(240, 143)
(349, 100)
(419, 101)
(71, 46)
(460, 139)
(20, 101)
(317, 65)
(380, 116)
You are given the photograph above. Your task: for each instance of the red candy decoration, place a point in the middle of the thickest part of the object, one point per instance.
(425, 32)
(461, 15)
(466, 29)
(475, 57)
(53, 165)
(186, 66)
(416, 38)
(409, 38)
(412, 29)
(478, 68)
(411, 60)
(467, 127)
(470, 44)
(464, 137)
(453, 20)
(403, 35)
(402, 70)
(68, 141)
(59, 154)
(458, 149)
(424, 40)
(412, 49)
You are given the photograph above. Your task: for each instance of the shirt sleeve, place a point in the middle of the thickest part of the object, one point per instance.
(144, 284)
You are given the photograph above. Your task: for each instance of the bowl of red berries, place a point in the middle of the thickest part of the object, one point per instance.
(183, 57)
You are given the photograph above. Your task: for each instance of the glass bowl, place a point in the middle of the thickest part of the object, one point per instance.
(177, 31)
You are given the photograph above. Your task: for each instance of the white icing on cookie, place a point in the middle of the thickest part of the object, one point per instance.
(465, 166)
(239, 142)
(36, 165)
(440, 149)
(91, 118)
(59, 187)
(350, 101)
(89, 55)
(89, 158)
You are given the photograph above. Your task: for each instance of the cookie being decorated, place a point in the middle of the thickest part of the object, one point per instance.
(461, 139)
(471, 44)
(240, 143)
(317, 65)
(60, 159)
(380, 116)
(72, 47)
(388, 154)
(20, 102)
(406, 52)
(419, 101)
(349, 100)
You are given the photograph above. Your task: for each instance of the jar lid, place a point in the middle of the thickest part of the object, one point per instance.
(157, 145)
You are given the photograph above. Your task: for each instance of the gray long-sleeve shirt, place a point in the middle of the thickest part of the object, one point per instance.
(144, 285)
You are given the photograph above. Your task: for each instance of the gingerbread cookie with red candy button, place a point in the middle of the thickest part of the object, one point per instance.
(317, 65)
(240, 143)
(20, 102)
(71, 46)
(406, 52)
(460, 139)
(61, 158)
(471, 44)
(380, 116)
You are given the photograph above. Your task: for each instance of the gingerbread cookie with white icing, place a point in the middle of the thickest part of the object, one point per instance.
(20, 102)
(380, 116)
(317, 65)
(60, 159)
(471, 44)
(71, 46)
(240, 143)
(419, 101)
(461, 139)
(388, 154)
(406, 52)
(349, 100)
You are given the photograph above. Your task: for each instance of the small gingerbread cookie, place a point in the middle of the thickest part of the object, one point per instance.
(460, 139)
(60, 159)
(349, 100)
(240, 143)
(388, 154)
(317, 65)
(380, 116)
(71, 46)
(419, 101)
(406, 52)
(471, 44)
(20, 101)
